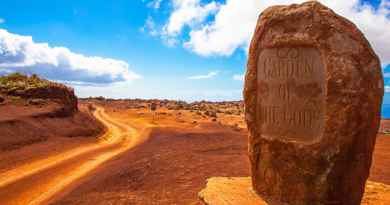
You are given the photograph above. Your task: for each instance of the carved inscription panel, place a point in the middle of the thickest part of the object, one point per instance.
(291, 93)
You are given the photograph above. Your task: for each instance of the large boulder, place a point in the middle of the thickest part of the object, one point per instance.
(313, 92)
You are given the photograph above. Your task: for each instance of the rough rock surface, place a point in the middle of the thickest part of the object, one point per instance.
(313, 91)
(34, 88)
(238, 191)
(56, 92)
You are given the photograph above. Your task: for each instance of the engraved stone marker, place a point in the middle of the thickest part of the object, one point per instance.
(291, 82)
(313, 91)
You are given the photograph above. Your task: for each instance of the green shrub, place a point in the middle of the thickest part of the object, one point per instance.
(18, 81)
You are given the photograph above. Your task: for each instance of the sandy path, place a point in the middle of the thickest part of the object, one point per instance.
(43, 181)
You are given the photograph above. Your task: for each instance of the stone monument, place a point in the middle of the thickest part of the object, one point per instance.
(313, 93)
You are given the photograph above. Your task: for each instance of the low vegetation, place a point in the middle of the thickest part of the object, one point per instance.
(207, 108)
(17, 81)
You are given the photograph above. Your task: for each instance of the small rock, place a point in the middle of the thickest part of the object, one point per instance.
(91, 108)
(211, 113)
(36, 101)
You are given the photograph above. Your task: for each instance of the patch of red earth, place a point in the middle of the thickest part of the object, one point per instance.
(384, 126)
(10, 112)
(170, 168)
(380, 168)
(22, 125)
(29, 133)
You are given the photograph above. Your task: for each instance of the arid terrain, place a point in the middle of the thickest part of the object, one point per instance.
(123, 152)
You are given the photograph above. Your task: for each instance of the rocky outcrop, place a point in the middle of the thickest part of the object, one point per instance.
(55, 92)
(34, 88)
(313, 92)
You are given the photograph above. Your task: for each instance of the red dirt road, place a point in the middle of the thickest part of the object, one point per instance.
(42, 181)
(170, 168)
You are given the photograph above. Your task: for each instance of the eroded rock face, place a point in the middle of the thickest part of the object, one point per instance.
(57, 92)
(313, 92)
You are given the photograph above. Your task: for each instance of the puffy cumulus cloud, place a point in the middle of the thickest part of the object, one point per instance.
(231, 29)
(239, 77)
(234, 21)
(21, 54)
(187, 13)
(207, 76)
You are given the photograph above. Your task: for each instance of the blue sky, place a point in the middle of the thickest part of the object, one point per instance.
(175, 49)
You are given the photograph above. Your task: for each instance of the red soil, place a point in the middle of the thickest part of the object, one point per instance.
(173, 165)
(22, 125)
(170, 168)
(183, 150)
(380, 169)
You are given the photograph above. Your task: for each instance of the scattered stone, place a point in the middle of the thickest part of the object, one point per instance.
(210, 113)
(153, 107)
(36, 101)
(228, 112)
(91, 107)
(313, 94)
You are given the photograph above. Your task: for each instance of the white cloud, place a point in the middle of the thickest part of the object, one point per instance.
(2, 20)
(387, 89)
(386, 74)
(239, 77)
(187, 12)
(155, 4)
(207, 76)
(22, 54)
(150, 27)
(234, 22)
(231, 29)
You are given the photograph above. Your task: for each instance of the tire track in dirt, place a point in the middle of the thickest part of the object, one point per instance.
(46, 180)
